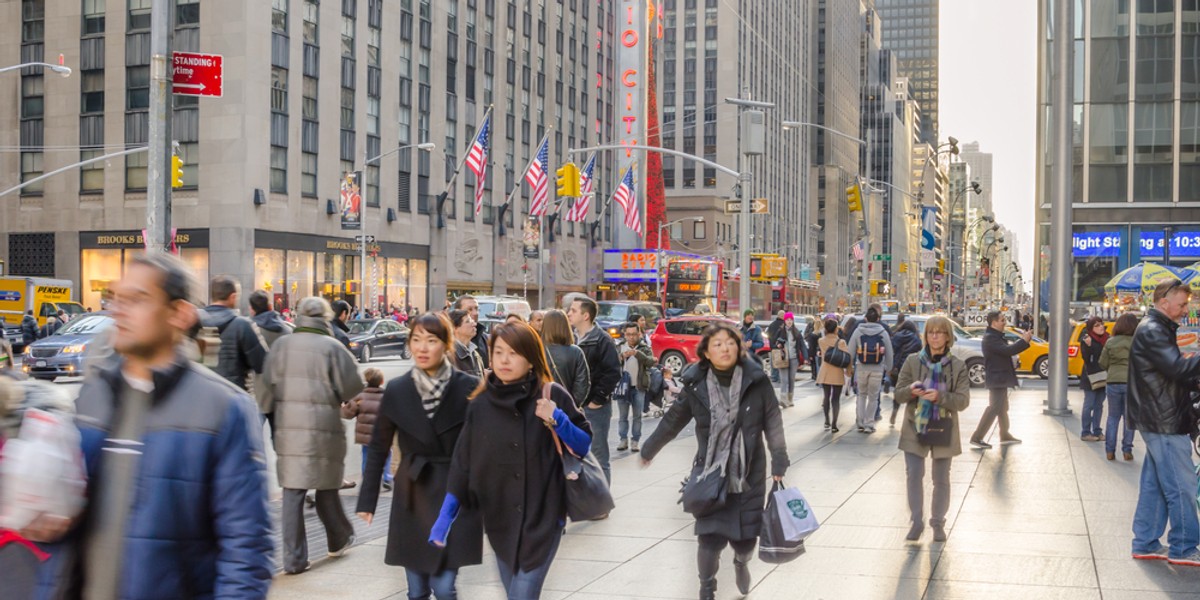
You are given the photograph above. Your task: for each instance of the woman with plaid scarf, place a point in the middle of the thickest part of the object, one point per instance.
(934, 388)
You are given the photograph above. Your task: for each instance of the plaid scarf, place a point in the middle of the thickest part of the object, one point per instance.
(926, 410)
(432, 388)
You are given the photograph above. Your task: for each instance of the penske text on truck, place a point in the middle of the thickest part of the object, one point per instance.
(45, 297)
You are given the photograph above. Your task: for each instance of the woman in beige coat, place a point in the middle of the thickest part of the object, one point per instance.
(831, 378)
(308, 376)
(934, 388)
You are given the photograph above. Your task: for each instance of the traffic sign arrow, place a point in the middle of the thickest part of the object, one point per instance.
(199, 87)
(758, 206)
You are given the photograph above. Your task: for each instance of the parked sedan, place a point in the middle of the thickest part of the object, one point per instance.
(370, 338)
(63, 354)
(674, 341)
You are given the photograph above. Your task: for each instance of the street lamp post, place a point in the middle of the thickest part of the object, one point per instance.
(65, 71)
(658, 272)
(957, 260)
(362, 220)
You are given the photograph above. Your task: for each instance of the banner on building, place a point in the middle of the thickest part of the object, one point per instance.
(351, 201)
(985, 271)
(532, 239)
(928, 227)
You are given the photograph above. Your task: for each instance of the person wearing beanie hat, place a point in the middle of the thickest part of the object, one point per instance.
(790, 343)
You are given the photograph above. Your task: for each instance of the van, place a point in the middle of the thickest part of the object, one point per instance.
(499, 307)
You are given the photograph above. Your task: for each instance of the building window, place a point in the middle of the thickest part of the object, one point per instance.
(348, 36)
(372, 116)
(279, 87)
(311, 11)
(93, 17)
(278, 170)
(373, 185)
(91, 176)
(347, 108)
(308, 174)
(309, 100)
(279, 14)
(92, 95)
(135, 171)
(33, 21)
(699, 231)
(32, 98)
(31, 167)
(139, 15)
(137, 81)
(187, 12)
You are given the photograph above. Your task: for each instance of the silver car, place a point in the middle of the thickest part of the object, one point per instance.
(967, 347)
(65, 353)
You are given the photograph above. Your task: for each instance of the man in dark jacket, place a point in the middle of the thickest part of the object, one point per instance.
(29, 328)
(242, 348)
(636, 359)
(176, 478)
(469, 304)
(50, 328)
(906, 341)
(1160, 406)
(772, 330)
(269, 323)
(605, 364)
(341, 315)
(1001, 375)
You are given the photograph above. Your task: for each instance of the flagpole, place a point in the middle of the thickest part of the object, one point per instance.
(441, 199)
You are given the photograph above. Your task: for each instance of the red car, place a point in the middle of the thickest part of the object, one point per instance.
(674, 340)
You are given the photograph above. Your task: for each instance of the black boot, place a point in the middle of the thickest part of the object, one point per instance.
(742, 571)
(708, 589)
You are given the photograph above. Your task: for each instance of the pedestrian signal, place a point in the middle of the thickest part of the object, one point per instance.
(568, 180)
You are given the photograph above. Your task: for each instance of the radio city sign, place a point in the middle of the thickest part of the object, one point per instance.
(632, 51)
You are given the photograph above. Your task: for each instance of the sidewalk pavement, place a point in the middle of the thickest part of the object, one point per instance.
(1049, 518)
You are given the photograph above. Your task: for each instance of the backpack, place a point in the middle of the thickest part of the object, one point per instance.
(654, 393)
(870, 349)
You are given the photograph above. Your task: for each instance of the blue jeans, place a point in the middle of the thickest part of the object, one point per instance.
(1167, 494)
(1093, 411)
(601, 421)
(1116, 414)
(387, 466)
(638, 404)
(440, 584)
(527, 585)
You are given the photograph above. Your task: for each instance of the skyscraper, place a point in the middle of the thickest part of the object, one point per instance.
(910, 29)
(981, 172)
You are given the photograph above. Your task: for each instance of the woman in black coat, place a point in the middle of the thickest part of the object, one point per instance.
(506, 464)
(424, 412)
(707, 394)
(790, 341)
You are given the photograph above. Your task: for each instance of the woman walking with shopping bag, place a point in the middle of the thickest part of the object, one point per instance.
(934, 388)
(507, 464)
(423, 411)
(735, 409)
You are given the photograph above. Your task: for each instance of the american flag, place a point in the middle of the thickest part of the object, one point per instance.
(477, 160)
(626, 196)
(578, 212)
(857, 250)
(538, 177)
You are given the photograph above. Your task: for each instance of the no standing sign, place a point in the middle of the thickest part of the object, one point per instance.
(195, 74)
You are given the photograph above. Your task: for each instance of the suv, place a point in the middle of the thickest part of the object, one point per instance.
(674, 341)
(614, 313)
(499, 307)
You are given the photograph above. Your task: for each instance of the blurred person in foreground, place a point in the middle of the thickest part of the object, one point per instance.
(177, 500)
(1159, 405)
(309, 375)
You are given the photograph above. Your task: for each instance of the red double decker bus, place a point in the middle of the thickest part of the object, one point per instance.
(692, 283)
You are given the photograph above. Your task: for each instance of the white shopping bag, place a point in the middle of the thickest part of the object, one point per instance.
(41, 471)
(795, 514)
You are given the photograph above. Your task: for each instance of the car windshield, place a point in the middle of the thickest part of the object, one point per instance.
(71, 308)
(86, 325)
(614, 312)
(361, 326)
(487, 308)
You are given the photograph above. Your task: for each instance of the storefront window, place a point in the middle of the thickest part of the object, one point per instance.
(418, 279)
(299, 277)
(197, 259)
(269, 275)
(101, 269)
(396, 287)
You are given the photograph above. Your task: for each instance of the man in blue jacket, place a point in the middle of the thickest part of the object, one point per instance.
(177, 498)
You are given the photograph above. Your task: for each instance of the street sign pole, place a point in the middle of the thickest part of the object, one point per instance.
(158, 181)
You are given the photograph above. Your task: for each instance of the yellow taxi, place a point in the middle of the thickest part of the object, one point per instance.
(1035, 359)
(1074, 358)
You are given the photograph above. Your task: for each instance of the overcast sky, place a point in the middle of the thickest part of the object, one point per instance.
(988, 62)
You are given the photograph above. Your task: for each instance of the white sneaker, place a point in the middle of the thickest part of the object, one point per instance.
(342, 551)
(633, 446)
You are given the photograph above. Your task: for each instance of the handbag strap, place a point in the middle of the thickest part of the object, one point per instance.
(557, 376)
(558, 446)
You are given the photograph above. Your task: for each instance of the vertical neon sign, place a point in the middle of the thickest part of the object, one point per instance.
(630, 93)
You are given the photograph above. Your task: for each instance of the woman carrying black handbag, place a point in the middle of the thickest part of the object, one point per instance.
(934, 388)
(507, 465)
(734, 406)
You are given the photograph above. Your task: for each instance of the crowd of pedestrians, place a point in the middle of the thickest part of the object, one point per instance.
(472, 441)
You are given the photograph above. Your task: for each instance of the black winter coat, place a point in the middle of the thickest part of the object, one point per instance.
(741, 519)
(813, 338)
(779, 342)
(998, 359)
(569, 368)
(905, 342)
(605, 365)
(29, 329)
(242, 348)
(426, 446)
(506, 466)
(1091, 360)
(481, 344)
(1160, 379)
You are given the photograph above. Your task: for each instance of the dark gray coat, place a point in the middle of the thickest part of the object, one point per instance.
(741, 518)
(570, 370)
(998, 361)
(242, 348)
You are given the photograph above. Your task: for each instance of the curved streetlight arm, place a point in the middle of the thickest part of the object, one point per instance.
(798, 124)
(427, 146)
(60, 69)
(73, 166)
(717, 166)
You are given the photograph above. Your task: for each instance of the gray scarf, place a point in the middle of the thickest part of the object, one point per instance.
(432, 388)
(725, 443)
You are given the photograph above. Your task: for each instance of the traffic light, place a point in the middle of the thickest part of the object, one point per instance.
(854, 198)
(880, 287)
(942, 266)
(176, 171)
(568, 180)
(903, 267)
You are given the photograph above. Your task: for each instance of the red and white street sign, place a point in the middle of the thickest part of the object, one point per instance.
(195, 74)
